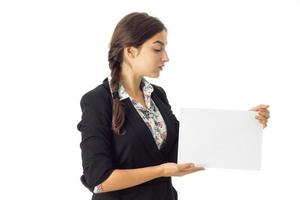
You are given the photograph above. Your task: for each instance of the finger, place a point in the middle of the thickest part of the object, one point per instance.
(263, 110)
(196, 169)
(263, 121)
(263, 114)
(254, 109)
(185, 166)
(261, 106)
(200, 168)
(260, 117)
(193, 169)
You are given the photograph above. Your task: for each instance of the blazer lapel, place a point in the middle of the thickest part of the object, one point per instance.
(172, 131)
(142, 131)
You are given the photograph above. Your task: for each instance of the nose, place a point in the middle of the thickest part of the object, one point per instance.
(165, 57)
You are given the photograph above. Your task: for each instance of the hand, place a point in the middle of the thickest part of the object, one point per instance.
(263, 114)
(174, 169)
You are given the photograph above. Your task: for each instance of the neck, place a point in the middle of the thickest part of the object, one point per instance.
(130, 81)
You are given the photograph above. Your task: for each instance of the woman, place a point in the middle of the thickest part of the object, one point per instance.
(129, 132)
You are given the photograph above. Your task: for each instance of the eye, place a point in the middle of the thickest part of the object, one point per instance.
(157, 50)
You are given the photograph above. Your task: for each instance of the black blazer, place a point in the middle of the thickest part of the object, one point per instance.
(102, 151)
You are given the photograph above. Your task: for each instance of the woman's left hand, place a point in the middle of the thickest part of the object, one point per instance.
(263, 114)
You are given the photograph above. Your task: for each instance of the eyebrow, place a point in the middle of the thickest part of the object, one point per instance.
(160, 42)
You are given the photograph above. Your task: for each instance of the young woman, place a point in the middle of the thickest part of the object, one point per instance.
(129, 132)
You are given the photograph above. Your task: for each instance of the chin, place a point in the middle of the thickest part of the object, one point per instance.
(156, 75)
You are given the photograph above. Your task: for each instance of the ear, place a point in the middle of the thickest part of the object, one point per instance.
(130, 52)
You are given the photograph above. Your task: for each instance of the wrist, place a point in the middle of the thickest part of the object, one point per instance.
(159, 171)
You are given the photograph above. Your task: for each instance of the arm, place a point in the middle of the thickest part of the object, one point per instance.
(96, 147)
(125, 178)
(121, 179)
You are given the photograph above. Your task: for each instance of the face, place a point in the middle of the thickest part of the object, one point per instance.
(151, 57)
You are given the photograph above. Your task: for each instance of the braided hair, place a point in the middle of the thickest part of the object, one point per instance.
(132, 30)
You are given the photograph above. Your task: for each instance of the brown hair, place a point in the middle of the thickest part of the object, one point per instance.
(132, 30)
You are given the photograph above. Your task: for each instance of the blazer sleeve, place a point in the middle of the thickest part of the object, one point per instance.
(96, 140)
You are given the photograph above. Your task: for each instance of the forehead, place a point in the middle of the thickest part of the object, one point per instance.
(159, 38)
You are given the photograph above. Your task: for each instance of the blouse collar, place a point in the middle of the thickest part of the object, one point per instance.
(147, 89)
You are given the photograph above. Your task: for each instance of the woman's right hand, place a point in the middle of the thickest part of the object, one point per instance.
(174, 169)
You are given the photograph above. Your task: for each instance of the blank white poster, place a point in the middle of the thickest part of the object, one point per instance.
(220, 138)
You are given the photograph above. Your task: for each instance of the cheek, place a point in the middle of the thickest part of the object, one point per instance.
(152, 60)
(144, 65)
(148, 62)
(155, 59)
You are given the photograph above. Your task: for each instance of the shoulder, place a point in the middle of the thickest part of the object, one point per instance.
(97, 97)
(158, 89)
(160, 92)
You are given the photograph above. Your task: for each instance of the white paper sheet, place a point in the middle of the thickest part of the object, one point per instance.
(220, 138)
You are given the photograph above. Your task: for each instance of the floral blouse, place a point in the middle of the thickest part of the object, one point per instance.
(151, 115)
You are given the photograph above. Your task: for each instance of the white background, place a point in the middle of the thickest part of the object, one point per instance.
(223, 55)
